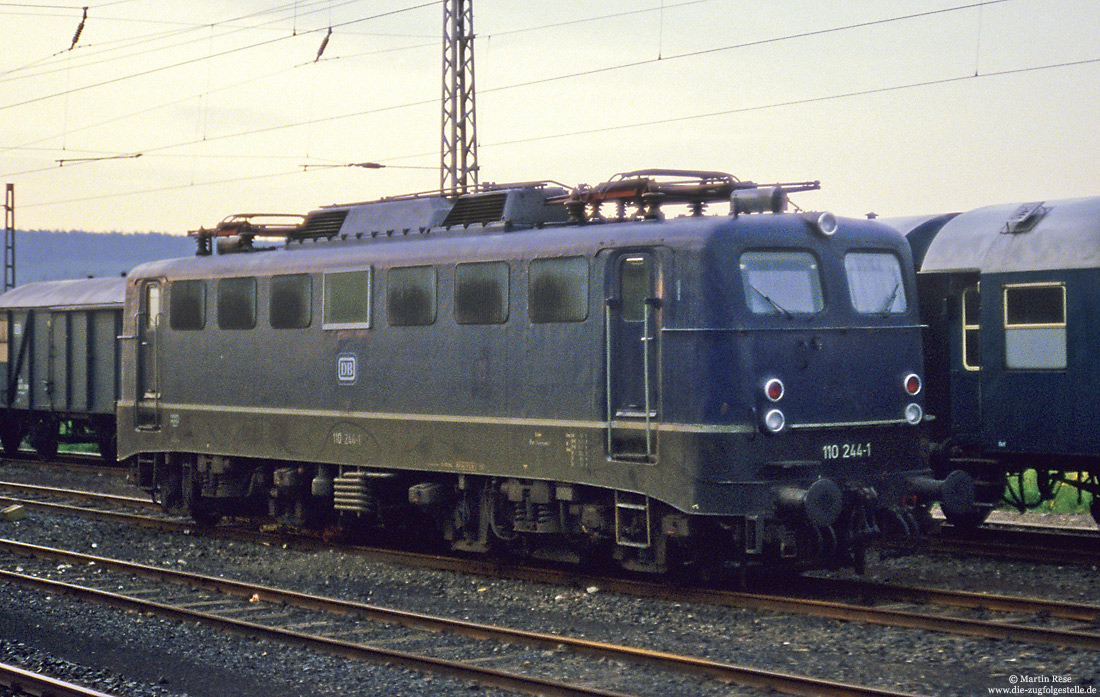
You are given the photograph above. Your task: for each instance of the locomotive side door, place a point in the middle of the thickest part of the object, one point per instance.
(632, 334)
(148, 344)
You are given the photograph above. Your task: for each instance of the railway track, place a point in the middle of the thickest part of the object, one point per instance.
(1016, 542)
(77, 460)
(356, 630)
(1009, 618)
(24, 682)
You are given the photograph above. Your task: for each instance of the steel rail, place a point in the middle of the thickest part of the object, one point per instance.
(113, 499)
(82, 461)
(970, 600)
(108, 516)
(787, 604)
(741, 675)
(345, 649)
(881, 616)
(1087, 552)
(29, 683)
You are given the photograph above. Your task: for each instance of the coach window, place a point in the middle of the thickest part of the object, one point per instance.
(291, 298)
(481, 293)
(411, 296)
(1035, 326)
(348, 299)
(781, 282)
(557, 290)
(187, 305)
(237, 303)
(971, 329)
(875, 283)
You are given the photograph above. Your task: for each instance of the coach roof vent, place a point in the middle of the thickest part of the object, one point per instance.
(1024, 218)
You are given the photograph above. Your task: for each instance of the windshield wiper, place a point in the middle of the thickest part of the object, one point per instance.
(890, 301)
(779, 308)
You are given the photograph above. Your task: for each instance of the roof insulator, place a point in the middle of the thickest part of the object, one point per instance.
(324, 43)
(79, 29)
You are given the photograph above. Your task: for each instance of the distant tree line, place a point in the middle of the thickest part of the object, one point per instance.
(51, 255)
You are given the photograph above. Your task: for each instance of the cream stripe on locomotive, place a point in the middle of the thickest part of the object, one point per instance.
(503, 421)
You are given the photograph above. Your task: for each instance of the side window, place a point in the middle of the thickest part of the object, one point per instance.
(971, 329)
(781, 282)
(187, 305)
(481, 293)
(411, 296)
(237, 303)
(875, 283)
(1035, 326)
(291, 299)
(634, 287)
(152, 305)
(348, 299)
(557, 290)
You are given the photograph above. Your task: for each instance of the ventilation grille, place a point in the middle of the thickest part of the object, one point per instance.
(1025, 218)
(477, 210)
(321, 224)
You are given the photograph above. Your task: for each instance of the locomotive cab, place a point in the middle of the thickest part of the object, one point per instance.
(806, 368)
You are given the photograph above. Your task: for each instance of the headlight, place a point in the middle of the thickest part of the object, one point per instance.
(914, 414)
(826, 224)
(774, 421)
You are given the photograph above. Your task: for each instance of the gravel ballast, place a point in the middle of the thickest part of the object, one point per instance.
(127, 655)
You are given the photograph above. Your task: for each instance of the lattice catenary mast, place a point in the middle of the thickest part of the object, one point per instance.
(458, 170)
(9, 237)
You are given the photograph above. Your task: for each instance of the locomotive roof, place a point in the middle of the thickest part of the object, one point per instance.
(86, 293)
(469, 245)
(1033, 236)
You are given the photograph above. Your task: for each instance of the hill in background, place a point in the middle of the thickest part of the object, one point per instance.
(46, 255)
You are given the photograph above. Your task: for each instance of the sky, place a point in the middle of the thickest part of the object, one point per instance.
(168, 116)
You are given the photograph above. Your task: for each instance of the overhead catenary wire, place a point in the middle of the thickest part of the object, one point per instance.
(584, 73)
(227, 52)
(166, 149)
(605, 69)
(230, 25)
(607, 129)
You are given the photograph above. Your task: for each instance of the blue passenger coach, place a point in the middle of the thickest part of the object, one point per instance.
(524, 368)
(1011, 297)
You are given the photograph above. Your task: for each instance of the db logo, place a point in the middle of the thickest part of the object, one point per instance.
(346, 369)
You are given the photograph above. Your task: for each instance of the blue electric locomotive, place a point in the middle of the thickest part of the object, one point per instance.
(525, 369)
(1009, 294)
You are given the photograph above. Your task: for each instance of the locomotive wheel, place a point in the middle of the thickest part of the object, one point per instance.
(201, 510)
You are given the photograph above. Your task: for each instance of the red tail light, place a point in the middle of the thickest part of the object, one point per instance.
(773, 389)
(912, 384)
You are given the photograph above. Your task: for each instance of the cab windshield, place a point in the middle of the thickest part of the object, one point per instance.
(875, 283)
(785, 282)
